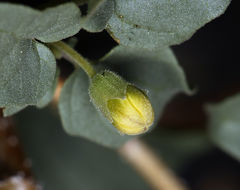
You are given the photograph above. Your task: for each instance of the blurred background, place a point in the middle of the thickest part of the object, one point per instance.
(33, 144)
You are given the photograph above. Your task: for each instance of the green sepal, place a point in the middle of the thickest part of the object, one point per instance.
(104, 86)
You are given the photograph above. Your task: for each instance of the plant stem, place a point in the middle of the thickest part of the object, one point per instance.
(74, 57)
(155, 172)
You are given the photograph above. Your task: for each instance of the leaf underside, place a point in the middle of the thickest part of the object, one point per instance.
(224, 125)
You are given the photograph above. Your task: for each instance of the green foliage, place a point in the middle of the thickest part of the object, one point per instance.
(10, 110)
(27, 66)
(154, 24)
(50, 25)
(99, 12)
(44, 101)
(29, 69)
(157, 72)
(47, 98)
(224, 125)
(145, 30)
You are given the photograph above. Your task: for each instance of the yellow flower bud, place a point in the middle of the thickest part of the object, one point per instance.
(132, 115)
(125, 106)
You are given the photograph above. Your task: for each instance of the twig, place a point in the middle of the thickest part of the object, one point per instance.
(155, 172)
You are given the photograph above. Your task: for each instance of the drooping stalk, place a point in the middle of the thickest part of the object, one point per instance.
(74, 57)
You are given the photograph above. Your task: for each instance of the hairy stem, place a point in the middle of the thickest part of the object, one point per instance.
(74, 57)
(146, 163)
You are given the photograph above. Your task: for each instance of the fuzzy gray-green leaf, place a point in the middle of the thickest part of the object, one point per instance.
(11, 110)
(27, 71)
(50, 25)
(224, 125)
(47, 98)
(44, 101)
(99, 12)
(158, 23)
(28, 67)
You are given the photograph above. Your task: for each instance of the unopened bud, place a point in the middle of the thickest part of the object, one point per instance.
(127, 107)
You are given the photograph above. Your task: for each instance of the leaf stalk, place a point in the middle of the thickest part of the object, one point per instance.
(74, 57)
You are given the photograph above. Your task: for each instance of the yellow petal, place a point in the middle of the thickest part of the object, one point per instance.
(132, 115)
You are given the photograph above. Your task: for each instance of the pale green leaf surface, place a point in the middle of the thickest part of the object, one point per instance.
(27, 71)
(159, 23)
(50, 25)
(99, 12)
(47, 98)
(224, 125)
(11, 110)
(28, 67)
(79, 116)
(44, 101)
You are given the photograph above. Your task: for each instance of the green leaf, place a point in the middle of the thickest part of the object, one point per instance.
(62, 162)
(27, 71)
(156, 72)
(44, 101)
(79, 116)
(159, 23)
(11, 110)
(99, 12)
(47, 98)
(50, 25)
(28, 67)
(224, 125)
